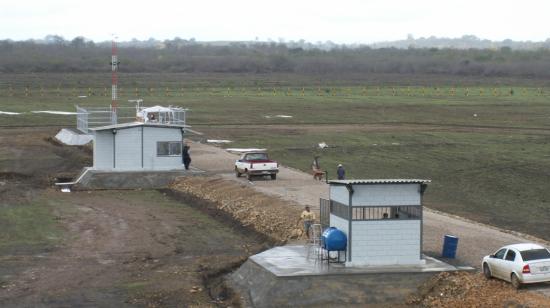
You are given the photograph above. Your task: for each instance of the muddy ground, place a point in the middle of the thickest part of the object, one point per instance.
(117, 248)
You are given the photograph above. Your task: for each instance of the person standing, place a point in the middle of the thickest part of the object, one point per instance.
(186, 157)
(341, 172)
(316, 169)
(308, 217)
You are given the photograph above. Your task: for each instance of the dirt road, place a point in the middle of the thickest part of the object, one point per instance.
(475, 240)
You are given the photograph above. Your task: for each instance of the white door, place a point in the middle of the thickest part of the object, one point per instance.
(508, 264)
(497, 263)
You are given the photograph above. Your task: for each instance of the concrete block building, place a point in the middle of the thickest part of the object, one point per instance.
(381, 218)
(138, 146)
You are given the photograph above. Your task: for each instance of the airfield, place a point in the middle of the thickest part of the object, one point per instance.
(484, 149)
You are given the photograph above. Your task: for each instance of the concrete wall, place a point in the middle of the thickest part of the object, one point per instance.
(128, 149)
(339, 223)
(95, 179)
(260, 288)
(151, 135)
(134, 151)
(339, 193)
(386, 194)
(103, 150)
(386, 242)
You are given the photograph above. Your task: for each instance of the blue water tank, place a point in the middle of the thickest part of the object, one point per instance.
(450, 244)
(334, 239)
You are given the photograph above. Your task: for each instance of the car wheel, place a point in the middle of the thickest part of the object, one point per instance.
(237, 173)
(487, 271)
(515, 281)
(274, 176)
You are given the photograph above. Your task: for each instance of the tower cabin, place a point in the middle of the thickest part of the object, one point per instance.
(382, 219)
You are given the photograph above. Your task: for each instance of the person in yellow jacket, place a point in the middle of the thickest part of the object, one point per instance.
(308, 217)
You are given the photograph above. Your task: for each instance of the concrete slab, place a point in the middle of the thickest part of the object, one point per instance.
(286, 277)
(147, 179)
(71, 136)
(302, 260)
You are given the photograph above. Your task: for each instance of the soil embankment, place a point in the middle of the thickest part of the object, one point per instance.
(464, 289)
(275, 218)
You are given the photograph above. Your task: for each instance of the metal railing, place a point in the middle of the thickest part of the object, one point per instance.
(324, 213)
(91, 117)
(339, 209)
(409, 212)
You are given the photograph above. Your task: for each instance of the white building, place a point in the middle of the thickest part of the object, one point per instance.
(381, 218)
(138, 146)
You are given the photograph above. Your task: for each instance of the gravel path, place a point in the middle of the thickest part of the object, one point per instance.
(475, 239)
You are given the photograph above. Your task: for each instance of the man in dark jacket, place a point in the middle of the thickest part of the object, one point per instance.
(186, 157)
(341, 172)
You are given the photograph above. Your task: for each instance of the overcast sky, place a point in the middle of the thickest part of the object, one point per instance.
(341, 21)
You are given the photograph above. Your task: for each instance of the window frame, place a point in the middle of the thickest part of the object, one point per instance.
(169, 147)
(503, 254)
(250, 156)
(510, 251)
(528, 255)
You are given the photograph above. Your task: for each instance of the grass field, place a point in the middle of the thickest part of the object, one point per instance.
(486, 152)
(29, 227)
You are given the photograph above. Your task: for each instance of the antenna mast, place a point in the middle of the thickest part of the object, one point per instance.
(114, 77)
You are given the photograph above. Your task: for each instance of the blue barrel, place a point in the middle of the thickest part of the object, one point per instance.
(334, 239)
(324, 235)
(450, 244)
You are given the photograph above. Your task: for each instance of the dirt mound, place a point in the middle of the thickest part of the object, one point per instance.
(462, 289)
(276, 218)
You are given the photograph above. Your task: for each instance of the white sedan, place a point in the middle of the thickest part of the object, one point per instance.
(519, 264)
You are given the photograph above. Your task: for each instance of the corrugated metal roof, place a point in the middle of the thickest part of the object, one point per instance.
(379, 181)
(136, 124)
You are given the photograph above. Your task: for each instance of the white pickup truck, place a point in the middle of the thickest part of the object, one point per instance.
(256, 163)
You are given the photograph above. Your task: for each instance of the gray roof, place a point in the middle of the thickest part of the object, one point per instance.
(379, 181)
(137, 124)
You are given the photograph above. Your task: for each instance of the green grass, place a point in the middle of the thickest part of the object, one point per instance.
(492, 177)
(31, 226)
(338, 104)
(137, 286)
(492, 167)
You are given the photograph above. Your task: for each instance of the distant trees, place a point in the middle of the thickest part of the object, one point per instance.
(55, 54)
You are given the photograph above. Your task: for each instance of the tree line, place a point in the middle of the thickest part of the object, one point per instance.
(188, 56)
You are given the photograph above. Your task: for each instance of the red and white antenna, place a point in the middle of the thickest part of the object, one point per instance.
(114, 77)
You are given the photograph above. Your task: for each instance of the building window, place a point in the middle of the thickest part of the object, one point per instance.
(408, 212)
(168, 148)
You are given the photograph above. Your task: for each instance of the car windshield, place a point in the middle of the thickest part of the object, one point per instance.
(256, 156)
(535, 254)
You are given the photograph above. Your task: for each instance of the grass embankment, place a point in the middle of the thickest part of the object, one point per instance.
(271, 217)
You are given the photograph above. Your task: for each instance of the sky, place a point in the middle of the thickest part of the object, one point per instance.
(340, 21)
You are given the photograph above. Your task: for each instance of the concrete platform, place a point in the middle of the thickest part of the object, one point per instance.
(292, 260)
(91, 179)
(286, 277)
(71, 136)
